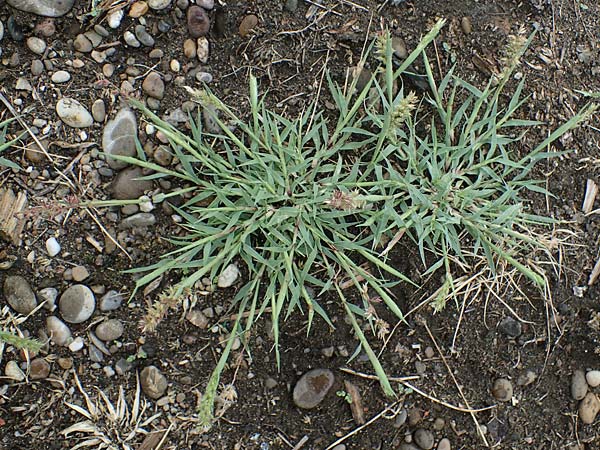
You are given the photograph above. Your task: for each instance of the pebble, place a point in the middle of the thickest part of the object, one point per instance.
(13, 372)
(108, 371)
(154, 86)
(95, 354)
(291, 5)
(39, 369)
(48, 296)
(52, 247)
(138, 220)
(77, 344)
(110, 330)
(79, 273)
(45, 28)
(407, 446)
(229, 276)
(593, 378)
(202, 49)
(99, 110)
(45, 8)
(424, 439)
(510, 327)
(154, 383)
(23, 84)
(119, 136)
(122, 366)
(1, 30)
(65, 363)
(248, 24)
(198, 22)
(108, 70)
(36, 45)
(439, 424)
(399, 47)
(15, 30)
(58, 331)
(19, 295)
(60, 76)
(527, 378)
(502, 390)
(158, 4)
(138, 9)
(579, 386)
(444, 444)
(164, 26)
(114, 18)
(189, 48)
(93, 37)
(77, 304)
(206, 4)
(37, 67)
(197, 319)
(131, 40)
(103, 32)
(465, 24)
(312, 387)
(589, 408)
(73, 113)
(82, 44)
(204, 77)
(143, 36)
(128, 186)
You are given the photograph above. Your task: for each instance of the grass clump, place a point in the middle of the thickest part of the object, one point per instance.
(5, 145)
(305, 203)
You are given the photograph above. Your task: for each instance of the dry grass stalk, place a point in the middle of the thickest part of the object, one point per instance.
(591, 190)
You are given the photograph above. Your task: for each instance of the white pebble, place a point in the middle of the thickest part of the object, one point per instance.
(52, 247)
(228, 276)
(76, 345)
(593, 378)
(114, 18)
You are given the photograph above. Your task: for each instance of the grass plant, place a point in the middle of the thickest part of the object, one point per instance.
(5, 145)
(305, 203)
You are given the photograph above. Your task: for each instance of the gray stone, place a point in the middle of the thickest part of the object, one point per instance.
(579, 386)
(59, 332)
(99, 110)
(48, 296)
(119, 136)
(589, 408)
(95, 354)
(424, 439)
(510, 327)
(229, 276)
(291, 5)
(123, 366)
(196, 318)
(143, 36)
(110, 330)
(73, 113)
(312, 387)
(13, 372)
(37, 67)
(36, 45)
(444, 444)
(1, 30)
(502, 390)
(19, 295)
(593, 378)
(60, 76)
(154, 383)
(77, 304)
(128, 186)
(158, 4)
(138, 220)
(131, 40)
(46, 8)
(110, 301)
(82, 44)
(154, 86)
(206, 4)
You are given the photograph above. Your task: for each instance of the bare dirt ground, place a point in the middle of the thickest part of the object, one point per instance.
(455, 355)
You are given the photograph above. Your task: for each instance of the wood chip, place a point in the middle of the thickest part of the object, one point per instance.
(11, 217)
(356, 406)
(151, 441)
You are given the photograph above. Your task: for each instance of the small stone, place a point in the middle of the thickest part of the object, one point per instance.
(48, 296)
(465, 24)
(110, 301)
(138, 9)
(110, 330)
(198, 22)
(424, 439)
(206, 4)
(65, 363)
(114, 18)
(123, 366)
(510, 327)
(248, 24)
(291, 5)
(73, 113)
(175, 66)
(80, 273)
(78, 63)
(202, 49)
(58, 331)
(37, 67)
(197, 319)
(108, 371)
(312, 387)
(157, 5)
(128, 186)
(527, 378)
(593, 378)
(154, 86)
(77, 344)
(82, 44)
(36, 45)
(52, 247)
(400, 418)
(439, 424)
(154, 383)
(270, 383)
(95, 354)
(45, 28)
(589, 408)
(328, 351)
(45, 8)
(399, 47)
(19, 295)
(502, 390)
(143, 36)
(99, 110)
(444, 444)
(229, 276)
(579, 386)
(15, 30)
(204, 77)
(164, 26)
(13, 372)
(39, 369)
(189, 48)
(131, 40)
(119, 136)
(138, 220)
(93, 37)
(23, 84)
(103, 32)
(108, 70)
(60, 76)
(77, 304)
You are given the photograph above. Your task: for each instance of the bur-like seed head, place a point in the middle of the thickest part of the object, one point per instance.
(404, 109)
(346, 201)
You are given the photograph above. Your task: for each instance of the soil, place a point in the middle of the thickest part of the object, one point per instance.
(455, 355)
